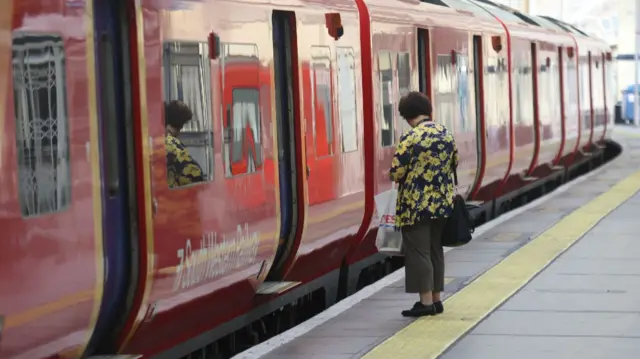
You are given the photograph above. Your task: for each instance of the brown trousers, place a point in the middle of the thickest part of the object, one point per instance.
(424, 256)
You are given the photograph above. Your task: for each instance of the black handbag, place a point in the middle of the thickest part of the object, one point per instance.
(458, 228)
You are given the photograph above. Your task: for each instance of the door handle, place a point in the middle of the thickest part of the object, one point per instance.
(308, 171)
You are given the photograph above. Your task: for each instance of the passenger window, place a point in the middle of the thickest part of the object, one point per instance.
(187, 79)
(462, 91)
(385, 74)
(42, 124)
(404, 73)
(571, 84)
(347, 98)
(524, 95)
(404, 86)
(444, 102)
(546, 91)
(322, 103)
(246, 131)
(496, 85)
(242, 150)
(585, 106)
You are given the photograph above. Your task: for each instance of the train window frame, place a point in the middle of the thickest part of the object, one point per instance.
(257, 168)
(386, 117)
(321, 55)
(350, 76)
(62, 189)
(200, 59)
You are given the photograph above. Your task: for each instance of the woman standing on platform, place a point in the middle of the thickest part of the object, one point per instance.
(423, 168)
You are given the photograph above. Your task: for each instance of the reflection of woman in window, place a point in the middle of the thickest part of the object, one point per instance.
(181, 168)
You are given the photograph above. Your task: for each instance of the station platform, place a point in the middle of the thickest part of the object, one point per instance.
(558, 278)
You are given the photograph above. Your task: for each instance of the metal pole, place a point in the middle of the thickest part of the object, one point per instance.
(636, 62)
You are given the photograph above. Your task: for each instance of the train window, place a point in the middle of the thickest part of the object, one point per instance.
(462, 91)
(187, 79)
(347, 98)
(404, 73)
(546, 90)
(444, 102)
(242, 149)
(571, 86)
(246, 132)
(585, 93)
(524, 95)
(496, 86)
(385, 73)
(42, 124)
(404, 85)
(322, 103)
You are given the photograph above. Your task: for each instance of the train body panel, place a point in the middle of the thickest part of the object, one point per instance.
(293, 136)
(50, 201)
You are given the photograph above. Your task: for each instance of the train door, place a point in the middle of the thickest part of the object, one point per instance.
(287, 127)
(115, 119)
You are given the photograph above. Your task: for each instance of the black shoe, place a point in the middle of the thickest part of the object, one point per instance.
(439, 307)
(419, 310)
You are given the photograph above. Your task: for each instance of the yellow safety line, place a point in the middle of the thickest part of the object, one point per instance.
(429, 337)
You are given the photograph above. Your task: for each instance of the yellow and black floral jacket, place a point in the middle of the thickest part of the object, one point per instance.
(422, 167)
(181, 168)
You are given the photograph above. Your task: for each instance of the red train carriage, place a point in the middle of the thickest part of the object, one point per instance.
(295, 124)
(50, 201)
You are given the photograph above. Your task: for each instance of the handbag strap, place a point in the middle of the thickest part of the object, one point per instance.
(454, 169)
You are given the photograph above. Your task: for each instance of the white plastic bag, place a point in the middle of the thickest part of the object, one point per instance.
(389, 239)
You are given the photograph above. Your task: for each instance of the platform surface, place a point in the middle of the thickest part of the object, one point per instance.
(558, 279)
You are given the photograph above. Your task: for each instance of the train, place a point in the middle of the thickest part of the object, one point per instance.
(295, 125)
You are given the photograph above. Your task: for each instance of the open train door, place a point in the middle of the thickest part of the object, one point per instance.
(290, 149)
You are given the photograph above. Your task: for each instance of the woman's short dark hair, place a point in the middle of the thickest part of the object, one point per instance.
(176, 114)
(414, 104)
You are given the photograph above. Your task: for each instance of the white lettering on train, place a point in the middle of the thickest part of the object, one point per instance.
(215, 258)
